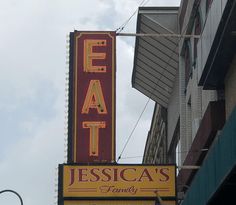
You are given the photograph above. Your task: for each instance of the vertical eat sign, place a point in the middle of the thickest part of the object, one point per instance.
(92, 97)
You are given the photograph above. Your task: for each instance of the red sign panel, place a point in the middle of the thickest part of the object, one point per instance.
(93, 93)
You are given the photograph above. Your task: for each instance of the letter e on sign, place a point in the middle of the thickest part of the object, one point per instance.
(90, 55)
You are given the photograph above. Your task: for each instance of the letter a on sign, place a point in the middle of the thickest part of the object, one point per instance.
(94, 98)
(91, 133)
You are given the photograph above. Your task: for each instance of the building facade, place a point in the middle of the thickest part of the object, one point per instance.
(193, 78)
(155, 150)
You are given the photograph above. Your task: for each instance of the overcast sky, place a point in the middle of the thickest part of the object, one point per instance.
(32, 88)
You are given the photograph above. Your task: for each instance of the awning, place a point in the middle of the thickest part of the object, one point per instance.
(215, 181)
(156, 58)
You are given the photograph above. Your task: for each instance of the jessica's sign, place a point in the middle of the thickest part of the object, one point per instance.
(111, 202)
(92, 88)
(115, 202)
(118, 181)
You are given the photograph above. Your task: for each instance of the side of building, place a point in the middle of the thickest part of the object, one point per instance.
(195, 83)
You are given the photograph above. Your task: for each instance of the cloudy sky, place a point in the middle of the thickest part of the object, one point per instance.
(32, 88)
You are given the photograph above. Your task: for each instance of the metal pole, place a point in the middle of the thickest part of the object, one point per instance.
(159, 198)
(173, 35)
(14, 192)
(188, 167)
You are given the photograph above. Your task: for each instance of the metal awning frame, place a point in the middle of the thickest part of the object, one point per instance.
(174, 35)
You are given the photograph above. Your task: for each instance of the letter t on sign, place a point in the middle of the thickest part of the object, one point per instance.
(94, 136)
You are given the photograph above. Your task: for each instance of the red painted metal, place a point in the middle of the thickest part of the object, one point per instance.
(81, 80)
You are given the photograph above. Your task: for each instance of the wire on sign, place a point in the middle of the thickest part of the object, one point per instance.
(121, 28)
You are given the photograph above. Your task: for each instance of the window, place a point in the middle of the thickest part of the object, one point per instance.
(187, 62)
(178, 155)
(197, 31)
(208, 5)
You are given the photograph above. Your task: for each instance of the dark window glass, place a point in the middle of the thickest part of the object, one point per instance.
(187, 61)
(197, 31)
(208, 5)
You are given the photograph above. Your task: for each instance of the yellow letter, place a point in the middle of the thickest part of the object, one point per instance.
(89, 55)
(94, 98)
(94, 136)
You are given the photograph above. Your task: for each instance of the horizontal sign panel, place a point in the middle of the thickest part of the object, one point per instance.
(118, 181)
(109, 202)
(120, 202)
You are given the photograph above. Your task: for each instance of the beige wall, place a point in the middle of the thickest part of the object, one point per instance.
(230, 88)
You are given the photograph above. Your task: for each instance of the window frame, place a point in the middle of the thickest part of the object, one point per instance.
(187, 61)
